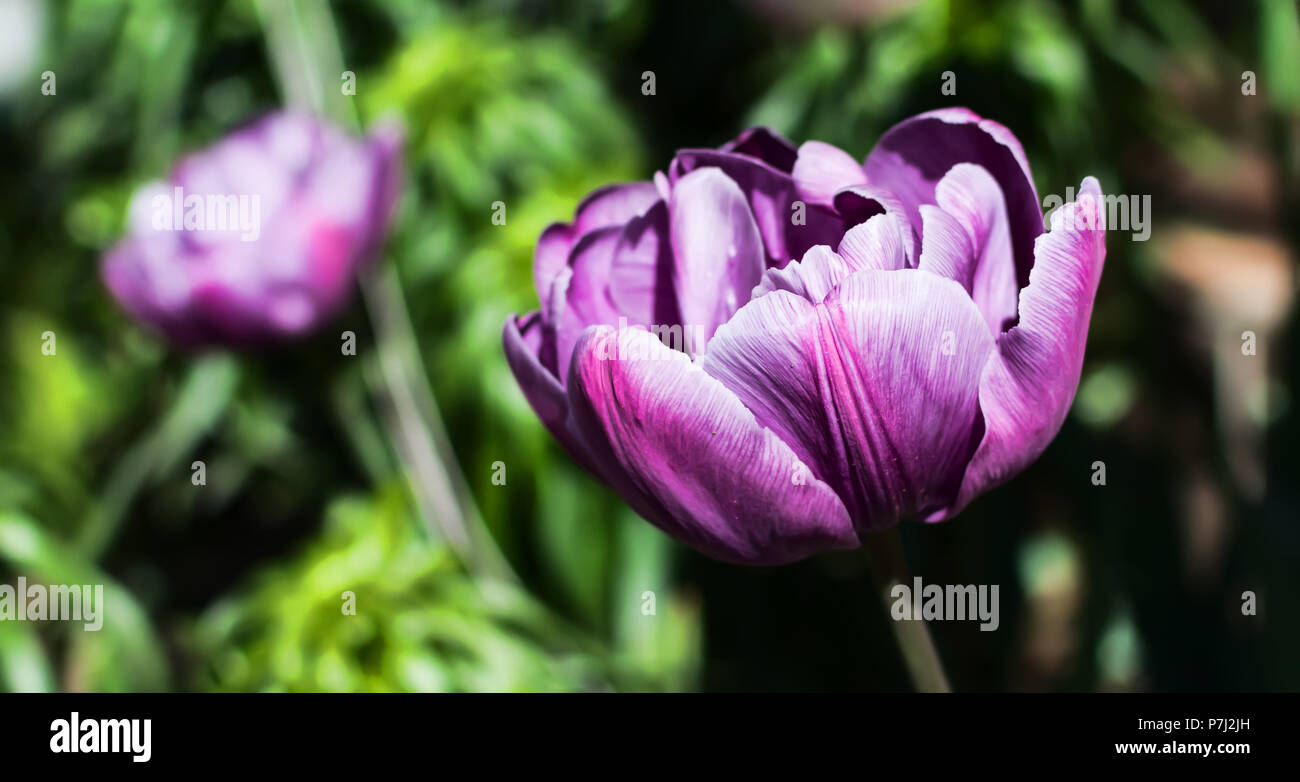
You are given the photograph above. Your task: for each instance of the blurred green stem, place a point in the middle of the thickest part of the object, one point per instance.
(885, 553)
(416, 426)
(304, 48)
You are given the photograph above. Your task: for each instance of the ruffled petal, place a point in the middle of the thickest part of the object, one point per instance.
(692, 459)
(876, 244)
(812, 278)
(862, 203)
(913, 156)
(771, 195)
(1029, 383)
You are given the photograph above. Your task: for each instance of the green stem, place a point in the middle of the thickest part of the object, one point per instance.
(416, 426)
(304, 49)
(888, 564)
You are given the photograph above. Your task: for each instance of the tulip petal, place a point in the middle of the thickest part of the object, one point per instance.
(876, 389)
(613, 205)
(586, 297)
(522, 340)
(812, 278)
(876, 244)
(694, 461)
(718, 249)
(913, 156)
(294, 208)
(641, 274)
(972, 196)
(862, 203)
(772, 195)
(551, 257)
(1029, 383)
(946, 247)
(822, 170)
(765, 145)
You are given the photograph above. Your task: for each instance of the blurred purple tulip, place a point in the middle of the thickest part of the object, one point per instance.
(914, 341)
(258, 237)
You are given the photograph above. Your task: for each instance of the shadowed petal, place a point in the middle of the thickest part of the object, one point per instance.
(771, 195)
(913, 156)
(586, 296)
(766, 145)
(521, 338)
(861, 203)
(694, 460)
(551, 257)
(718, 250)
(970, 194)
(1028, 385)
(612, 205)
(641, 275)
(875, 389)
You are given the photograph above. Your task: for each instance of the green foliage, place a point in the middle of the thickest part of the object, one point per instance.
(419, 625)
(125, 655)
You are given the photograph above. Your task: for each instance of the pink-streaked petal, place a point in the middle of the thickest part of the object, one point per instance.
(718, 250)
(876, 389)
(693, 460)
(1029, 383)
(294, 209)
(822, 170)
(913, 156)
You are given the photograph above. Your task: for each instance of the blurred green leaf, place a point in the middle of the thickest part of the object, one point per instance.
(125, 655)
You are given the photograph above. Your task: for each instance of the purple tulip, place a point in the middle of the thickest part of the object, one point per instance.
(258, 237)
(923, 345)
